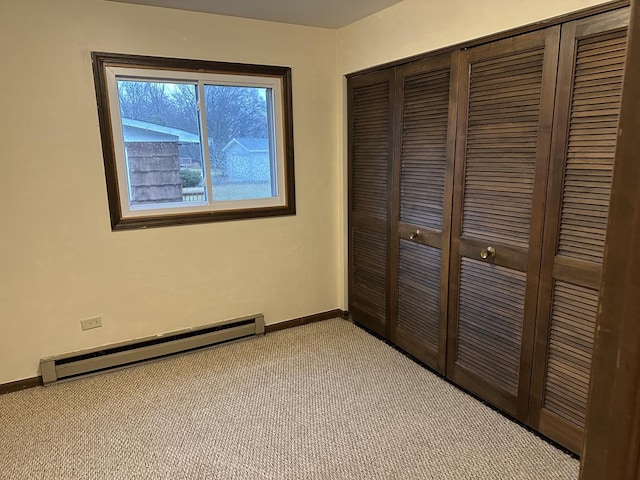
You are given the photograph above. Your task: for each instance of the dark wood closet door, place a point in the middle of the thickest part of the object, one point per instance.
(502, 157)
(370, 100)
(586, 122)
(423, 177)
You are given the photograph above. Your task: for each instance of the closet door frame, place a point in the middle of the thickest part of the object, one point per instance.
(513, 258)
(576, 272)
(428, 236)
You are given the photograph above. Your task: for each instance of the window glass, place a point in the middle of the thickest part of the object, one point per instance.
(160, 132)
(239, 133)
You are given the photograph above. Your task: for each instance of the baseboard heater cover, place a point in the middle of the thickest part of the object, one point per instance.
(95, 360)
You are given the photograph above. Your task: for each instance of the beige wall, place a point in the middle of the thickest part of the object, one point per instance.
(60, 261)
(416, 26)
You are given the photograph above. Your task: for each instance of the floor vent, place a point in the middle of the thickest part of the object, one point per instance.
(86, 362)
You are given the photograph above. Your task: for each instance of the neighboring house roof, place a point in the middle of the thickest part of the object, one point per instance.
(140, 131)
(249, 144)
(136, 135)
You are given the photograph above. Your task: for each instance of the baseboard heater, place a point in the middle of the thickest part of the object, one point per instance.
(95, 360)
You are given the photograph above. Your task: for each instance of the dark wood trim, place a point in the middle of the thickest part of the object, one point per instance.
(374, 224)
(568, 17)
(408, 342)
(20, 385)
(288, 145)
(461, 66)
(468, 380)
(447, 210)
(612, 433)
(296, 322)
(393, 211)
(563, 432)
(585, 274)
(552, 219)
(428, 236)
(378, 325)
(350, 214)
(103, 60)
(106, 137)
(543, 152)
(393, 242)
(185, 64)
(168, 220)
(608, 21)
(509, 256)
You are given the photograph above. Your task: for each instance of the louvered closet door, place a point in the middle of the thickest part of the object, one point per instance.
(589, 85)
(502, 155)
(423, 173)
(370, 149)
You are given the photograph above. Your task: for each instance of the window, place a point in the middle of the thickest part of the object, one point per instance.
(191, 141)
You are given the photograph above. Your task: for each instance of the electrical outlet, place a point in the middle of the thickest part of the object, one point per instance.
(90, 323)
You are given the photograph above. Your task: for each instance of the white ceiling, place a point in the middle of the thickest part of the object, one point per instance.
(319, 13)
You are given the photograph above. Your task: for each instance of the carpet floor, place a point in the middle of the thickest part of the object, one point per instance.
(321, 401)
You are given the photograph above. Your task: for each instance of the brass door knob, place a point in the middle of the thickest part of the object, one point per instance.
(415, 235)
(488, 252)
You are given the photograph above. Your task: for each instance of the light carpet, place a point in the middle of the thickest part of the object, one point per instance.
(321, 401)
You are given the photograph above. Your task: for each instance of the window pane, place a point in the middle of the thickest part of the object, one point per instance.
(160, 130)
(239, 133)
